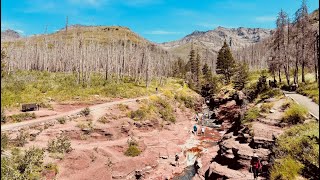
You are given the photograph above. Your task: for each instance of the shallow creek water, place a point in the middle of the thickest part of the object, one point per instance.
(192, 150)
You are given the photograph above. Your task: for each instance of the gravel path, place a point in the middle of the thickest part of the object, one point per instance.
(305, 101)
(7, 127)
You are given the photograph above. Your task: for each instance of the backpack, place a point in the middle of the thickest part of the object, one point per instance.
(256, 163)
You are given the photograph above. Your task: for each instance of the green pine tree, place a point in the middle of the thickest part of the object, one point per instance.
(241, 76)
(192, 62)
(206, 71)
(198, 68)
(225, 62)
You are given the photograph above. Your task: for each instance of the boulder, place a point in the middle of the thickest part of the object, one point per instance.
(217, 171)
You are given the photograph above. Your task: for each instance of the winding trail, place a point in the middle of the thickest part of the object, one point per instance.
(94, 108)
(305, 101)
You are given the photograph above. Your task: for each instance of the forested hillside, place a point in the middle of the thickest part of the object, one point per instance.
(114, 51)
(294, 42)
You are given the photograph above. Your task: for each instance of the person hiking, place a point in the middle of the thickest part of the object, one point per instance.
(202, 130)
(195, 129)
(177, 159)
(196, 166)
(255, 166)
(197, 117)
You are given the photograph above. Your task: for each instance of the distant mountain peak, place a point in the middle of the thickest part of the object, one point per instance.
(10, 34)
(212, 40)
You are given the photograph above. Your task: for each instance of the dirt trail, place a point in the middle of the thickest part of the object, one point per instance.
(95, 108)
(305, 101)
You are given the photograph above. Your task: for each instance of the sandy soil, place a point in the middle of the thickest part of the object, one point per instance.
(100, 154)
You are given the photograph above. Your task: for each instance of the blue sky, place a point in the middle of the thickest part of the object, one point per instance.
(156, 20)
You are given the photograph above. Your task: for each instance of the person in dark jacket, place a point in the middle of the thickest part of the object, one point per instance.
(255, 166)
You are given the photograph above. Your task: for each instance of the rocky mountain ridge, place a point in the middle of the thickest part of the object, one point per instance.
(213, 39)
(9, 34)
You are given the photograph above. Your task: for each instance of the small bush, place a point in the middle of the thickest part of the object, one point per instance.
(123, 107)
(4, 141)
(61, 145)
(187, 100)
(295, 114)
(139, 114)
(22, 117)
(168, 94)
(132, 151)
(251, 115)
(103, 120)
(286, 169)
(311, 90)
(45, 105)
(3, 116)
(286, 104)
(31, 163)
(52, 167)
(301, 142)
(85, 111)
(265, 107)
(61, 120)
(167, 115)
(22, 138)
(270, 93)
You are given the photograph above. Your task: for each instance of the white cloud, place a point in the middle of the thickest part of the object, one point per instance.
(162, 32)
(19, 31)
(265, 18)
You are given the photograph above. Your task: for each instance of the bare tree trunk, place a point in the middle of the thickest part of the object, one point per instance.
(147, 70)
(279, 71)
(296, 70)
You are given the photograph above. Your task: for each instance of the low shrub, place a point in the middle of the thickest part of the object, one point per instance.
(30, 165)
(285, 169)
(167, 115)
(250, 115)
(22, 117)
(295, 114)
(85, 111)
(311, 90)
(52, 167)
(123, 107)
(133, 150)
(300, 144)
(62, 120)
(139, 114)
(188, 101)
(4, 141)
(288, 103)
(165, 109)
(46, 105)
(265, 107)
(103, 120)
(60, 145)
(22, 138)
(270, 93)
(3, 116)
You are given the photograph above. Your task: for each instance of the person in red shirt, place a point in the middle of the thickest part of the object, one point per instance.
(255, 166)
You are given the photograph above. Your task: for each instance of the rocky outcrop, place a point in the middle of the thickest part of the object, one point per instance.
(213, 39)
(9, 35)
(239, 143)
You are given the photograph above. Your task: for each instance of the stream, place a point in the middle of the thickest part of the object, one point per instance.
(189, 172)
